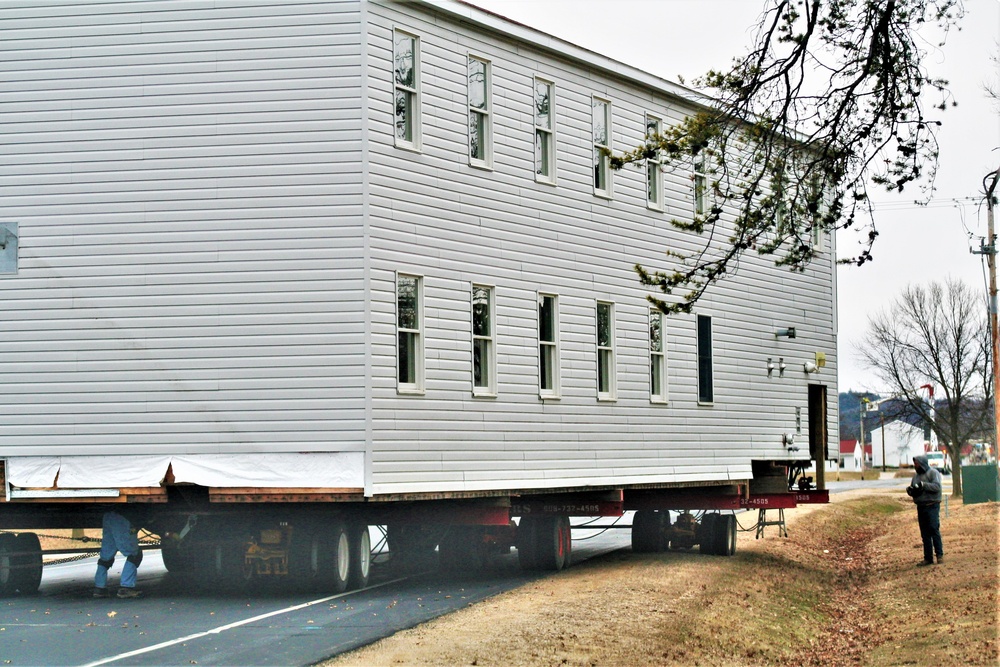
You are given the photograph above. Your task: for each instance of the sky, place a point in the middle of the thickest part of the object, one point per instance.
(916, 244)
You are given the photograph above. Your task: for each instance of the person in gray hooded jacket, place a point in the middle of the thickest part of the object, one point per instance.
(925, 489)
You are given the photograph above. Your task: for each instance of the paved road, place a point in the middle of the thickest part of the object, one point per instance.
(63, 625)
(173, 625)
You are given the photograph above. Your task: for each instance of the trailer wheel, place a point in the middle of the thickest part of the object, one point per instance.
(550, 541)
(176, 559)
(411, 546)
(7, 576)
(526, 543)
(707, 533)
(361, 556)
(320, 557)
(226, 566)
(729, 536)
(648, 531)
(464, 549)
(28, 563)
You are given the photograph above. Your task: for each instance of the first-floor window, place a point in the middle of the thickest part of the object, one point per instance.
(409, 339)
(548, 345)
(483, 348)
(657, 358)
(706, 391)
(605, 351)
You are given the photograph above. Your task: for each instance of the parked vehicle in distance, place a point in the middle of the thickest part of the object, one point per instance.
(940, 461)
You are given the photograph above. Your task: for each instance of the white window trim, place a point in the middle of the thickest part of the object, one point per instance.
(418, 386)
(416, 143)
(550, 131)
(698, 360)
(612, 393)
(555, 391)
(609, 192)
(658, 162)
(490, 390)
(487, 162)
(660, 359)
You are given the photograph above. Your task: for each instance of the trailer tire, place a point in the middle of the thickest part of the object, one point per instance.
(226, 564)
(361, 556)
(707, 533)
(28, 563)
(729, 536)
(7, 576)
(176, 559)
(553, 542)
(320, 558)
(648, 531)
(411, 546)
(526, 543)
(463, 549)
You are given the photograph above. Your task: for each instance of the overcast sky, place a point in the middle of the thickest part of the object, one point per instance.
(672, 38)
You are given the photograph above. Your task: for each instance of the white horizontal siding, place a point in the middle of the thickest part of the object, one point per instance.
(186, 181)
(433, 215)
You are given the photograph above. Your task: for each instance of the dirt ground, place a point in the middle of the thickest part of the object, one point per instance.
(842, 589)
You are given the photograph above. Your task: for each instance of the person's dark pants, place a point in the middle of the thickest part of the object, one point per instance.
(929, 519)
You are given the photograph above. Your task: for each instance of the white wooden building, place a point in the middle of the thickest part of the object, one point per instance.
(260, 244)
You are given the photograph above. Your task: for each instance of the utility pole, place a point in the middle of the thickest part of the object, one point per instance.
(990, 185)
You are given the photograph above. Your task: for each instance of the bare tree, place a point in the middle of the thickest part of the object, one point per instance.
(936, 335)
(831, 98)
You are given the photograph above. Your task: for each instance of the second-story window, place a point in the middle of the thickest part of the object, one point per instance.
(545, 165)
(699, 180)
(480, 120)
(406, 98)
(657, 358)
(654, 174)
(706, 383)
(605, 351)
(483, 347)
(601, 122)
(409, 338)
(548, 346)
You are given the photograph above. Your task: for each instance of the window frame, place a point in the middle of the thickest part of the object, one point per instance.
(552, 392)
(10, 235)
(486, 113)
(607, 358)
(654, 165)
(414, 93)
(548, 134)
(601, 158)
(658, 358)
(699, 183)
(706, 360)
(417, 385)
(490, 388)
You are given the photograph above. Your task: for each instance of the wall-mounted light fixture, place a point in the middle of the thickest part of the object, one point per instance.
(781, 367)
(788, 333)
(770, 367)
(810, 367)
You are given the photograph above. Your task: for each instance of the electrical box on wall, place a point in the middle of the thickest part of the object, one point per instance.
(8, 247)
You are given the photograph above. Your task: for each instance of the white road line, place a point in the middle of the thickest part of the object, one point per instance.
(230, 626)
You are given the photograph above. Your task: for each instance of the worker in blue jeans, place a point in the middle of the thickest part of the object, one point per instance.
(118, 534)
(925, 489)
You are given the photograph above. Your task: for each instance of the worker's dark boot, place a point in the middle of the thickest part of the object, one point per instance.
(128, 594)
(101, 592)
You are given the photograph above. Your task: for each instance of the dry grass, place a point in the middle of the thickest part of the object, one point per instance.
(843, 589)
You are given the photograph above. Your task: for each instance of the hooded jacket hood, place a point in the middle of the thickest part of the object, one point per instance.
(921, 464)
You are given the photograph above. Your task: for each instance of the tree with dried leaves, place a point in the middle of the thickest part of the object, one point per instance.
(937, 335)
(832, 98)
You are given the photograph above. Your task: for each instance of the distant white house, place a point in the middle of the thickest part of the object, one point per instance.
(898, 442)
(851, 457)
